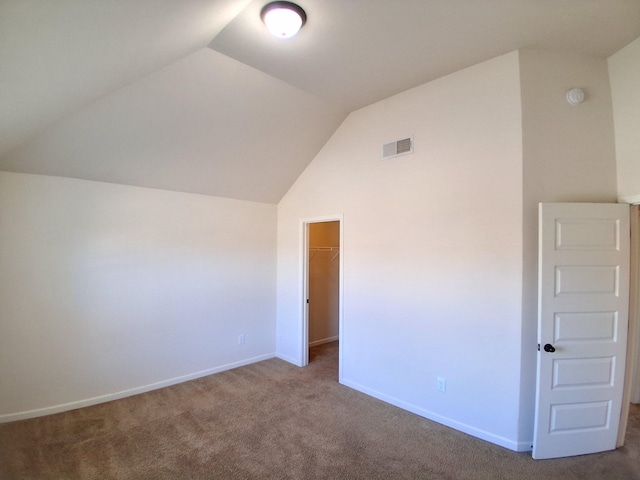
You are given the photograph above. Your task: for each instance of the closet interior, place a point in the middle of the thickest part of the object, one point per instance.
(324, 281)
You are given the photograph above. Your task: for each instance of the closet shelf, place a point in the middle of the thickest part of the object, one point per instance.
(315, 251)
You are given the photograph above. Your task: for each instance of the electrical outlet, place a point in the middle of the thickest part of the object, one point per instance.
(442, 384)
(241, 339)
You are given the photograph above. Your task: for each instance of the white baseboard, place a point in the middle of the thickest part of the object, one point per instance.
(39, 412)
(324, 340)
(468, 429)
(296, 361)
(289, 359)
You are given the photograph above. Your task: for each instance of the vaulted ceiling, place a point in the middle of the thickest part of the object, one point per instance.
(196, 96)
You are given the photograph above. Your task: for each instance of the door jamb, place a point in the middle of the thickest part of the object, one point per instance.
(304, 291)
(633, 337)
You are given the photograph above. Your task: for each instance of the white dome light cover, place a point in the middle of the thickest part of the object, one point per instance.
(283, 19)
(575, 96)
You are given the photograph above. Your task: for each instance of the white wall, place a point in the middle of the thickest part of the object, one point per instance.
(432, 249)
(568, 155)
(108, 290)
(624, 72)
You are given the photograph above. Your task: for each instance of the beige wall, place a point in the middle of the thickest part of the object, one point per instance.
(624, 71)
(108, 290)
(568, 156)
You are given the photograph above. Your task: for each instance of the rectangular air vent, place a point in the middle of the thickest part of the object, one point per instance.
(396, 148)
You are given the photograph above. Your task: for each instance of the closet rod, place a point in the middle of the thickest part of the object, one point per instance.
(315, 251)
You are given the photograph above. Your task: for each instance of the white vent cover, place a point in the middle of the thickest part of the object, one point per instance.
(396, 148)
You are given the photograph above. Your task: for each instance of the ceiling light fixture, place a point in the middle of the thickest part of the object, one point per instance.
(283, 19)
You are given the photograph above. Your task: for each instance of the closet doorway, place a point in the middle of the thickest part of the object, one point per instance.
(322, 284)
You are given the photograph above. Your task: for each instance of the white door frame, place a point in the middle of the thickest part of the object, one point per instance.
(631, 380)
(304, 282)
(634, 351)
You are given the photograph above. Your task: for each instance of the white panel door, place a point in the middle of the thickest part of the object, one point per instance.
(583, 290)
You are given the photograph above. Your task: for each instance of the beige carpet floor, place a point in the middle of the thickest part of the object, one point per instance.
(272, 420)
